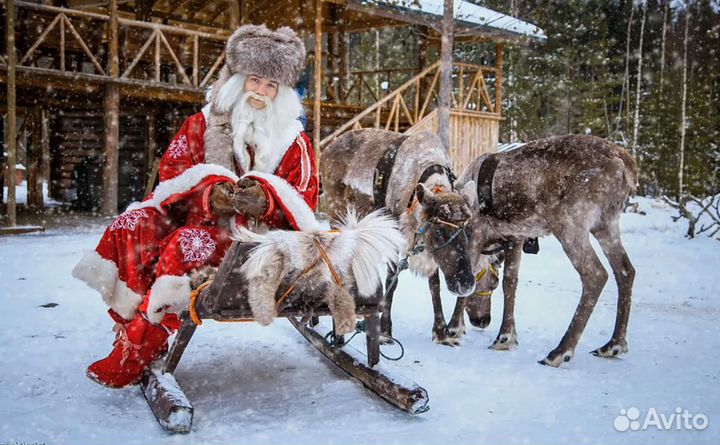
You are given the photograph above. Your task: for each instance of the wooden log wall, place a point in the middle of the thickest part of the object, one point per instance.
(470, 135)
(78, 149)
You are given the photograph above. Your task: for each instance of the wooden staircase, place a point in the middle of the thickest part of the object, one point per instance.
(412, 107)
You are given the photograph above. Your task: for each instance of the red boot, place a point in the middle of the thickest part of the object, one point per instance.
(137, 345)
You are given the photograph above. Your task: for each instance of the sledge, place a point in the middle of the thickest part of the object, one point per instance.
(225, 299)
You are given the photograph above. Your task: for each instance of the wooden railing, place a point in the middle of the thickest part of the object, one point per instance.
(415, 99)
(178, 56)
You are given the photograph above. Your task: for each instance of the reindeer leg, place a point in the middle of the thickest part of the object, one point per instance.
(440, 334)
(609, 239)
(576, 243)
(456, 327)
(507, 337)
(386, 307)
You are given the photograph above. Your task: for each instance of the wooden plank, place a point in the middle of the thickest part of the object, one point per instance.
(144, 48)
(11, 124)
(215, 66)
(498, 77)
(407, 396)
(62, 42)
(196, 63)
(18, 230)
(157, 56)
(83, 45)
(167, 401)
(41, 39)
(111, 151)
(180, 67)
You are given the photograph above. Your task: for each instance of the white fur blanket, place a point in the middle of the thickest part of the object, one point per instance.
(359, 251)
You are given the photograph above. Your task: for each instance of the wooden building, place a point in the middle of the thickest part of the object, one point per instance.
(94, 90)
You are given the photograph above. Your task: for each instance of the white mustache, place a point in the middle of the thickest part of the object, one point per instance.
(249, 94)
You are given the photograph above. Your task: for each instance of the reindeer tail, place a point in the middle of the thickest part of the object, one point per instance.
(377, 242)
(631, 168)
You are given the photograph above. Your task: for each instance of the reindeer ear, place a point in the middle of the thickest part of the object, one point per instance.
(424, 195)
(469, 192)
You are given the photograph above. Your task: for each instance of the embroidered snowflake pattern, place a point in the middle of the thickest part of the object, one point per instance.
(128, 220)
(196, 245)
(178, 147)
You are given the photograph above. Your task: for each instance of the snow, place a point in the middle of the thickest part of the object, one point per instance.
(470, 13)
(21, 194)
(252, 384)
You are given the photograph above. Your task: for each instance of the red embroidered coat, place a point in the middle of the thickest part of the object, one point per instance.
(143, 257)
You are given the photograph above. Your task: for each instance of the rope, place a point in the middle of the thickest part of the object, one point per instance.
(193, 299)
(360, 327)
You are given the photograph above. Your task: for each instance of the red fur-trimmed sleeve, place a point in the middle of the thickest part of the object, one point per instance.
(186, 149)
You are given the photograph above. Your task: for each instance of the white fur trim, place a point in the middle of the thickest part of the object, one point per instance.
(361, 249)
(291, 199)
(169, 293)
(102, 275)
(182, 183)
(377, 243)
(305, 167)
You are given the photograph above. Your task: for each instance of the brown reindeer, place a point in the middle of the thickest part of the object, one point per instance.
(568, 187)
(409, 176)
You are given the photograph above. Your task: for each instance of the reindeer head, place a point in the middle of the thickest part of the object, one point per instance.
(444, 229)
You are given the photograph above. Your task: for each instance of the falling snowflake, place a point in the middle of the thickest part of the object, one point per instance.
(196, 245)
(178, 147)
(128, 220)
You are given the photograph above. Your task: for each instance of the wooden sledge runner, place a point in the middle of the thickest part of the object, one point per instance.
(226, 300)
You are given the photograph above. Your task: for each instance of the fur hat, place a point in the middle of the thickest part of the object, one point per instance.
(256, 50)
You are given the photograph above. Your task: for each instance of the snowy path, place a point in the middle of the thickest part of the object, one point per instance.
(267, 385)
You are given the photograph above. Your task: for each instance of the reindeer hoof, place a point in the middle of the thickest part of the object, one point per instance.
(480, 322)
(504, 342)
(443, 337)
(456, 332)
(555, 358)
(386, 339)
(611, 349)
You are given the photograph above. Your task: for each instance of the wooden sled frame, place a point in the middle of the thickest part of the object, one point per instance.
(225, 300)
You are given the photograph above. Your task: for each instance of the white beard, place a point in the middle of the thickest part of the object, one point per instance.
(270, 130)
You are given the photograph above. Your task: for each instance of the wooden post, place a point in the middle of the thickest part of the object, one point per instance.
(318, 81)
(235, 14)
(34, 161)
(446, 45)
(11, 130)
(151, 144)
(344, 44)
(112, 119)
(244, 12)
(498, 77)
(45, 144)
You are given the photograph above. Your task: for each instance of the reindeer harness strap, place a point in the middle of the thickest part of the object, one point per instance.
(383, 170)
(486, 173)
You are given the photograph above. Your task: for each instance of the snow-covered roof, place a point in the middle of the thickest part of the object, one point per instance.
(469, 14)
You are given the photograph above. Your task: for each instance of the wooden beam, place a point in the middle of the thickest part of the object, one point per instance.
(10, 130)
(111, 119)
(235, 13)
(498, 77)
(34, 162)
(318, 81)
(445, 96)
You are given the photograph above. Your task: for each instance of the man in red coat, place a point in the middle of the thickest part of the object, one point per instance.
(243, 160)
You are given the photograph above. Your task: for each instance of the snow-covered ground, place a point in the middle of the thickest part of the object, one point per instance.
(251, 384)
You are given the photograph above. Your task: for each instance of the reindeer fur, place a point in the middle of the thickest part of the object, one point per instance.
(347, 170)
(568, 187)
(359, 252)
